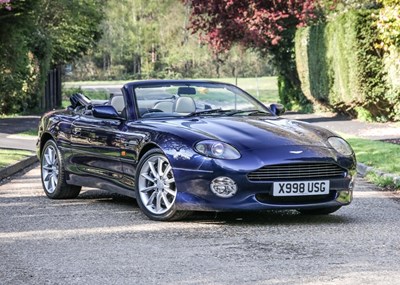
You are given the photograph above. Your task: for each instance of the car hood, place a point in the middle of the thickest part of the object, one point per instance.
(253, 132)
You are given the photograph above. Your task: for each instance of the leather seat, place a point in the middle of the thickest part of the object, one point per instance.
(184, 105)
(118, 103)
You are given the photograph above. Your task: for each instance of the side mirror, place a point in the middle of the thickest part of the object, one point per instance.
(106, 112)
(277, 109)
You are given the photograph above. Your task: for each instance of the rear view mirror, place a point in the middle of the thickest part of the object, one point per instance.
(186, 91)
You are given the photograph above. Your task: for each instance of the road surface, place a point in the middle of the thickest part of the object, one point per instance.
(104, 239)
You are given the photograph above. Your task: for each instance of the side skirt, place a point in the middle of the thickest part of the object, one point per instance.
(96, 182)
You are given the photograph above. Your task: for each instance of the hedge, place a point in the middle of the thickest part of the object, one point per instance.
(340, 67)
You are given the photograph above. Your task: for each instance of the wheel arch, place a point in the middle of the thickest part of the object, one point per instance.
(43, 139)
(146, 148)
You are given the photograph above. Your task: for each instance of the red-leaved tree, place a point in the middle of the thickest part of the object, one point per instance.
(5, 4)
(266, 25)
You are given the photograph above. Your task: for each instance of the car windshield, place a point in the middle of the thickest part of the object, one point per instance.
(195, 99)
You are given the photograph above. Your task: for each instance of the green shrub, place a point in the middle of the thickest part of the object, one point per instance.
(342, 61)
(292, 97)
(311, 63)
(363, 114)
(340, 68)
(388, 24)
(92, 94)
(18, 82)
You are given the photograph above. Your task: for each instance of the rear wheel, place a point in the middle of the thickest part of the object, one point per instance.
(320, 211)
(53, 174)
(155, 187)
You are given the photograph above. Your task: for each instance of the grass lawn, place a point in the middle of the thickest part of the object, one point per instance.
(380, 155)
(30, 133)
(76, 84)
(263, 88)
(9, 157)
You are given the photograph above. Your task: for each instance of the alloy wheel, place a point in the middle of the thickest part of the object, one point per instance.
(50, 169)
(156, 185)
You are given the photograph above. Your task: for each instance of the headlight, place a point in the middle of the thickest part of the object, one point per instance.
(340, 145)
(217, 149)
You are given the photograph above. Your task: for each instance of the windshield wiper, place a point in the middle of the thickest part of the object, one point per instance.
(208, 111)
(250, 112)
(229, 112)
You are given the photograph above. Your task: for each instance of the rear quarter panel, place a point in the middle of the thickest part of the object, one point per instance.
(55, 125)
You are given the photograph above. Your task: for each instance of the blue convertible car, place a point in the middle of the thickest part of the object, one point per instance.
(187, 145)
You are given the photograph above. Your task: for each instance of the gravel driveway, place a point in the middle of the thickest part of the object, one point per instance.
(104, 239)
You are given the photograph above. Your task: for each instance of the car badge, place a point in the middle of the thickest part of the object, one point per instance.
(296, 151)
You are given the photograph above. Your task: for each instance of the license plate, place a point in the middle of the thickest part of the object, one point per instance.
(301, 188)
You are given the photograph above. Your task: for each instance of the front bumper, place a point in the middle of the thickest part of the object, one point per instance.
(194, 194)
(193, 177)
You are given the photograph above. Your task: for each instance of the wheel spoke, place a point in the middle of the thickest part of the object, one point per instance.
(147, 189)
(159, 167)
(146, 176)
(167, 170)
(165, 199)
(151, 199)
(47, 158)
(49, 186)
(170, 180)
(170, 191)
(47, 176)
(51, 155)
(153, 170)
(158, 202)
(53, 182)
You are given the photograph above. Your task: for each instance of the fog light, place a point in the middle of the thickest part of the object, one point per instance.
(223, 187)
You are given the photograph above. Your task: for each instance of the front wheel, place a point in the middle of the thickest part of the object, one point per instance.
(155, 187)
(320, 211)
(53, 174)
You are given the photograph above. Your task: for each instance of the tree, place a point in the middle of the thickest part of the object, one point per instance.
(5, 4)
(35, 34)
(18, 76)
(266, 25)
(388, 23)
(150, 38)
(72, 27)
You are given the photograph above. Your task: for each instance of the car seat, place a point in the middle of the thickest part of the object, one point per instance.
(184, 105)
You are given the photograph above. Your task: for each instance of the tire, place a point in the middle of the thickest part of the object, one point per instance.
(53, 174)
(319, 211)
(155, 187)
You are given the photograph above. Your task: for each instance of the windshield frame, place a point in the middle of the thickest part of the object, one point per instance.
(131, 90)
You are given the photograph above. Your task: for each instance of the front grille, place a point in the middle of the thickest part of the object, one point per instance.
(297, 171)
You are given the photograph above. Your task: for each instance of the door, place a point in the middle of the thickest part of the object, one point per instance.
(96, 151)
